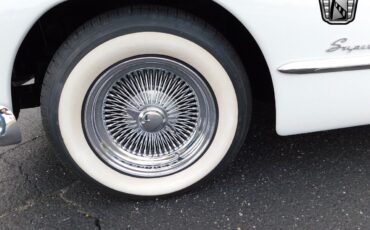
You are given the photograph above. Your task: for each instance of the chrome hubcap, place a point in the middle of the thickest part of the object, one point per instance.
(152, 119)
(150, 116)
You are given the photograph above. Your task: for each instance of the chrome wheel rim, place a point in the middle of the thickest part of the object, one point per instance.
(150, 116)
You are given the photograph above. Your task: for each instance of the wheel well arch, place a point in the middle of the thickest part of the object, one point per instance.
(54, 27)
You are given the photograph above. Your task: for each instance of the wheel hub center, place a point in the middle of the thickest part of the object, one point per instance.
(152, 119)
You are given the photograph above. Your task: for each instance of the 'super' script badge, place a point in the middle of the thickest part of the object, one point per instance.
(341, 45)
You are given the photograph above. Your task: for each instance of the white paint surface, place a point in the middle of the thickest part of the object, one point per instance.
(286, 31)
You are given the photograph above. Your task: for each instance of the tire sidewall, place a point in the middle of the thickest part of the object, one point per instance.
(90, 37)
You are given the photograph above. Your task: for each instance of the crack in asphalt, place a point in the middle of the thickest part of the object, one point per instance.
(20, 167)
(20, 145)
(28, 180)
(78, 207)
(61, 194)
(22, 173)
(29, 204)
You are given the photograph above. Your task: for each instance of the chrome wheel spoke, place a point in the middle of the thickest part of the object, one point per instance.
(150, 116)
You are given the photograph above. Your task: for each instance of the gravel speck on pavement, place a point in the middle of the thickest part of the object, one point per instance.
(312, 181)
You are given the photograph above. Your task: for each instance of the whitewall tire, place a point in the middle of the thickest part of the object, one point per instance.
(81, 63)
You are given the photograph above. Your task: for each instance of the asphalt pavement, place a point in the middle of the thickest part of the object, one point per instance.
(312, 181)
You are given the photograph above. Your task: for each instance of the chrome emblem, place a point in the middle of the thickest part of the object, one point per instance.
(338, 12)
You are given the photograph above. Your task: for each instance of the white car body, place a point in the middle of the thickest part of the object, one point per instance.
(287, 31)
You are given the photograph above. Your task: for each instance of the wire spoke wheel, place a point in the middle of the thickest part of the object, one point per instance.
(150, 116)
(142, 106)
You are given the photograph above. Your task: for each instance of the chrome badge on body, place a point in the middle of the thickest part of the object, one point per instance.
(338, 12)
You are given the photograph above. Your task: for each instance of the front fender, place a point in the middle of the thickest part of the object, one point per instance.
(16, 19)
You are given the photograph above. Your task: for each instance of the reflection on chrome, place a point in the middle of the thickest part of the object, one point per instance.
(9, 130)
